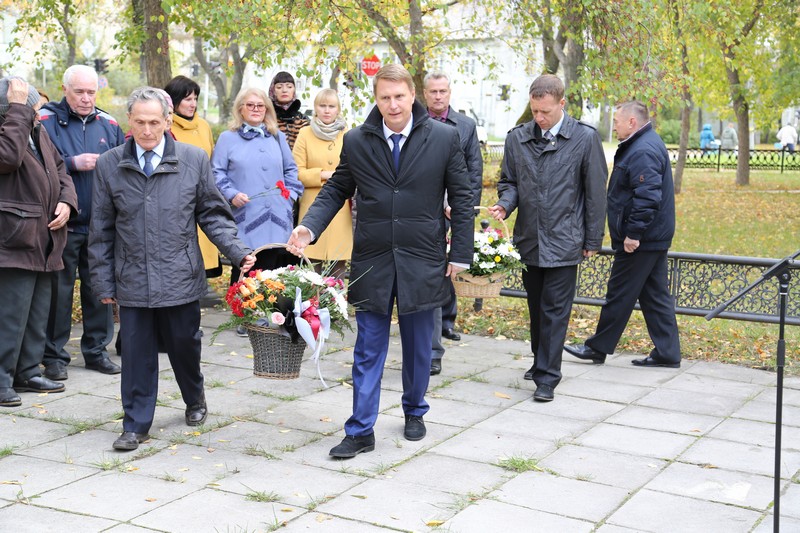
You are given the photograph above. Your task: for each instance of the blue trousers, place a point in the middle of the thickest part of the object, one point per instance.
(140, 329)
(369, 357)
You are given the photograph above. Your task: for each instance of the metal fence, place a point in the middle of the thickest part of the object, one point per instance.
(698, 282)
(718, 159)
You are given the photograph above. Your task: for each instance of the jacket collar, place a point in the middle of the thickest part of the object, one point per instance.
(63, 112)
(638, 133)
(169, 160)
(531, 131)
(185, 123)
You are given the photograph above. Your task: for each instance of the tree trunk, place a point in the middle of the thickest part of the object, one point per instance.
(686, 98)
(138, 22)
(156, 46)
(69, 34)
(742, 110)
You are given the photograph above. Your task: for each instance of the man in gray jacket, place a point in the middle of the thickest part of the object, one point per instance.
(150, 195)
(555, 172)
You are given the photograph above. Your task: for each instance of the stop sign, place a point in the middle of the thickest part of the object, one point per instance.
(370, 65)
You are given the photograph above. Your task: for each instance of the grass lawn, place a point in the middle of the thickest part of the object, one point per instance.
(714, 216)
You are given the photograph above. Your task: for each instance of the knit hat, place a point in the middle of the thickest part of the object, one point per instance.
(33, 95)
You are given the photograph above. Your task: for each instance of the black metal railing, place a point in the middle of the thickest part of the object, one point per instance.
(698, 282)
(719, 159)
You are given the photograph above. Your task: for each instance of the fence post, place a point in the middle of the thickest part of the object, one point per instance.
(719, 157)
(783, 157)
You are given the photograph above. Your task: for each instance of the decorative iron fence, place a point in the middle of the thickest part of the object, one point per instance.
(718, 159)
(699, 283)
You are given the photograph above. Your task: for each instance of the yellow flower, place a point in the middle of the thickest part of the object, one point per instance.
(490, 239)
(497, 259)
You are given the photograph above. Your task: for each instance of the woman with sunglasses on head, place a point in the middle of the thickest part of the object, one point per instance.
(256, 173)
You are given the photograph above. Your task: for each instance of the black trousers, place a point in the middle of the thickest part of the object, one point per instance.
(141, 327)
(550, 294)
(640, 275)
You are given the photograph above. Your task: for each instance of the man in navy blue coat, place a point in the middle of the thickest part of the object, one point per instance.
(399, 164)
(641, 221)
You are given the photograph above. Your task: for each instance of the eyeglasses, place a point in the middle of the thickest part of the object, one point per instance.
(254, 107)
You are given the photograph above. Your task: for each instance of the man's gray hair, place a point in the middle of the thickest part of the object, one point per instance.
(147, 94)
(636, 109)
(435, 75)
(82, 69)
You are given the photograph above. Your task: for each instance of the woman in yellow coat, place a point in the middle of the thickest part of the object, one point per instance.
(316, 152)
(189, 128)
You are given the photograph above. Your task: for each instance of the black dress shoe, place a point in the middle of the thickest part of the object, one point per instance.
(197, 413)
(352, 446)
(544, 393)
(436, 367)
(649, 361)
(38, 384)
(581, 351)
(129, 440)
(529, 374)
(9, 397)
(56, 372)
(450, 333)
(104, 366)
(415, 428)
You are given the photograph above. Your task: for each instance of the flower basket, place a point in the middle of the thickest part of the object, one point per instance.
(493, 257)
(469, 286)
(284, 310)
(275, 356)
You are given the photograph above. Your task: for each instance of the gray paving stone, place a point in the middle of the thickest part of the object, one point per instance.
(790, 501)
(200, 511)
(489, 394)
(732, 372)
(645, 442)
(714, 484)
(76, 407)
(753, 432)
(603, 466)
(627, 374)
(770, 395)
(128, 528)
(765, 412)
(572, 407)
(307, 415)
(102, 495)
(325, 523)
(19, 432)
(535, 425)
(451, 412)
(195, 466)
(605, 391)
(491, 447)
(255, 437)
(376, 501)
(89, 448)
(787, 524)
(449, 474)
(22, 518)
(741, 457)
(681, 514)
(704, 384)
(664, 420)
(296, 484)
(21, 476)
(563, 496)
(704, 403)
(489, 515)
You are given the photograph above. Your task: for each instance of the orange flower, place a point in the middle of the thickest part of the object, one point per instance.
(272, 299)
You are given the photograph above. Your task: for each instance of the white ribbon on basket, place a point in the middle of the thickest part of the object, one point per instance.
(305, 331)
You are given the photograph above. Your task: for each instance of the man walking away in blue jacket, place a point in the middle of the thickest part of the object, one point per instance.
(81, 132)
(641, 221)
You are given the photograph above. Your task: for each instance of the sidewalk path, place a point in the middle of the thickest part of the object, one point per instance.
(621, 449)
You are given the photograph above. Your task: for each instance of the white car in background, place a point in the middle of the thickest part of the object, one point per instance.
(465, 108)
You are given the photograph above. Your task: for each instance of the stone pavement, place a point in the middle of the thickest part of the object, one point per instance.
(621, 449)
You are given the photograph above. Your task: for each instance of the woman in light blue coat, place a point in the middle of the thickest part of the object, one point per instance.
(256, 173)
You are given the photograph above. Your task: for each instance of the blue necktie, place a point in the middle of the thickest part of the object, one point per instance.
(548, 136)
(148, 163)
(395, 137)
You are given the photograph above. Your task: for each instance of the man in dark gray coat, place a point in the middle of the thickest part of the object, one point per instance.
(437, 98)
(641, 221)
(150, 195)
(399, 164)
(554, 171)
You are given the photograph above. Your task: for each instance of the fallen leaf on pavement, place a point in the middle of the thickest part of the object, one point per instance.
(434, 523)
(359, 496)
(503, 396)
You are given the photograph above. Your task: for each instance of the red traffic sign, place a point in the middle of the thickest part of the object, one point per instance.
(370, 65)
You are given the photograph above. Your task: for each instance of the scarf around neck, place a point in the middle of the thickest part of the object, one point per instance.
(249, 132)
(327, 132)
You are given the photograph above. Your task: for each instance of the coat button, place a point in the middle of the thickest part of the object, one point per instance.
(396, 219)
(396, 191)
